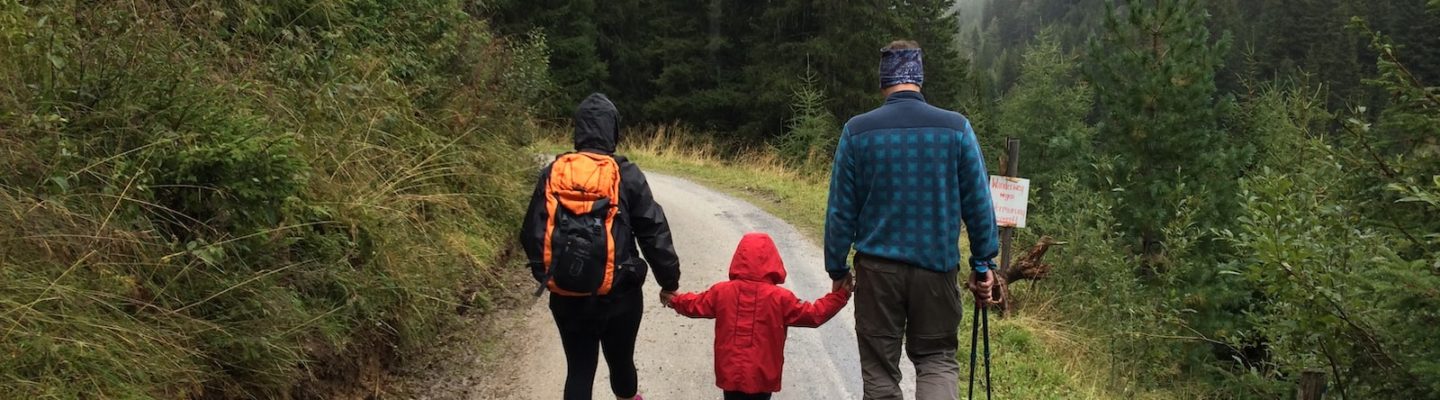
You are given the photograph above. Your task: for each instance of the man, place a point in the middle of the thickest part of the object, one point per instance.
(904, 177)
(611, 190)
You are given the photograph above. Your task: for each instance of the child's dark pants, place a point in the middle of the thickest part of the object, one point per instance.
(729, 395)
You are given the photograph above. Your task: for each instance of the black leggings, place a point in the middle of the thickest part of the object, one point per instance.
(729, 395)
(589, 324)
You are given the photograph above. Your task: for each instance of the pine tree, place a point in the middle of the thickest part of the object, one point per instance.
(572, 30)
(935, 27)
(840, 41)
(812, 133)
(1154, 71)
(730, 66)
(626, 41)
(1308, 37)
(1046, 109)
(695, 47)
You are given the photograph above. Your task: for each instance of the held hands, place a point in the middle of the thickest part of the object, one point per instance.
(846, 283)
(665, 296)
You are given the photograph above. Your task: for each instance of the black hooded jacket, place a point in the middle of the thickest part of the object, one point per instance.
(640, 221)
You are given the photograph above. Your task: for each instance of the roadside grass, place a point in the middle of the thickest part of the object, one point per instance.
(1039, 353)
(248, 199)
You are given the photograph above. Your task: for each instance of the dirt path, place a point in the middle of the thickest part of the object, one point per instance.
(674, 354)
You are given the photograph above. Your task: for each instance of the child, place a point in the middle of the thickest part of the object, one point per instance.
(751, 315)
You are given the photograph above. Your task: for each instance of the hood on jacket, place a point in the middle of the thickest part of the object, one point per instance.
(597, 124)
(757, 260)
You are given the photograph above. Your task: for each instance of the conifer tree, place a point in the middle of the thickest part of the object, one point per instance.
(572, 31)
(1046, 109)
(1154, 71)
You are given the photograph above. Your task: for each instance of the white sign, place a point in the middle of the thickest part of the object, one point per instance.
(1010, 196)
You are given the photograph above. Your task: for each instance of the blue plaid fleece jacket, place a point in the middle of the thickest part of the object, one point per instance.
(905, 175)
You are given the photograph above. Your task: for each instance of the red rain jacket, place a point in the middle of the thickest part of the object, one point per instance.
(752, 314)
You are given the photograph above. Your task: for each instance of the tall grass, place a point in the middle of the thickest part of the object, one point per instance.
(203, 199)
(681, 143)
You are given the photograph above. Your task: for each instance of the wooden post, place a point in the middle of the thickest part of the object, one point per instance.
(1312, 385)
(1007, 234)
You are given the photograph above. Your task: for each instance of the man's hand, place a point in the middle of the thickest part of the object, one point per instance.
(981, 285)
(665, 296)
(846, 283)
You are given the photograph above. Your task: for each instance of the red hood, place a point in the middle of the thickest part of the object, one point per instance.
(757, 260)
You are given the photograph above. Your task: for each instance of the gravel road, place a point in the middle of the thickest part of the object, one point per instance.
(673, 353)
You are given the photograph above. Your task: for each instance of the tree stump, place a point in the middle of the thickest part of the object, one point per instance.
(1030, 266)
(1312, 385)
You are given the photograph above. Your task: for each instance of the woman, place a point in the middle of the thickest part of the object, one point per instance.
(589, 212)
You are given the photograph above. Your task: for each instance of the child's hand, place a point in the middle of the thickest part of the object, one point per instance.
(846, 284)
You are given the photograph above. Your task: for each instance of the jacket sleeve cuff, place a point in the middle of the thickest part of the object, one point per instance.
(837, 275)
(670, 287)
(537, 270)
(982, 266)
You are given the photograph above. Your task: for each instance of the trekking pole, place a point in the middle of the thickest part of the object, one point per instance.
(985, 318)
(974, 332)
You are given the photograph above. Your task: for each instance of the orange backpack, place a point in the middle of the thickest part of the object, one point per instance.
(582, 197)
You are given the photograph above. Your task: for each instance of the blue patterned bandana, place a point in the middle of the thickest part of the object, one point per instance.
(901, 66)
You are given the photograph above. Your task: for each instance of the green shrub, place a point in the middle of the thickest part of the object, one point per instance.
(1325, 237)
(199, 199)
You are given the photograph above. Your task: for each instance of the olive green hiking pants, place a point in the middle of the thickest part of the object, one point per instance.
(897, 304)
